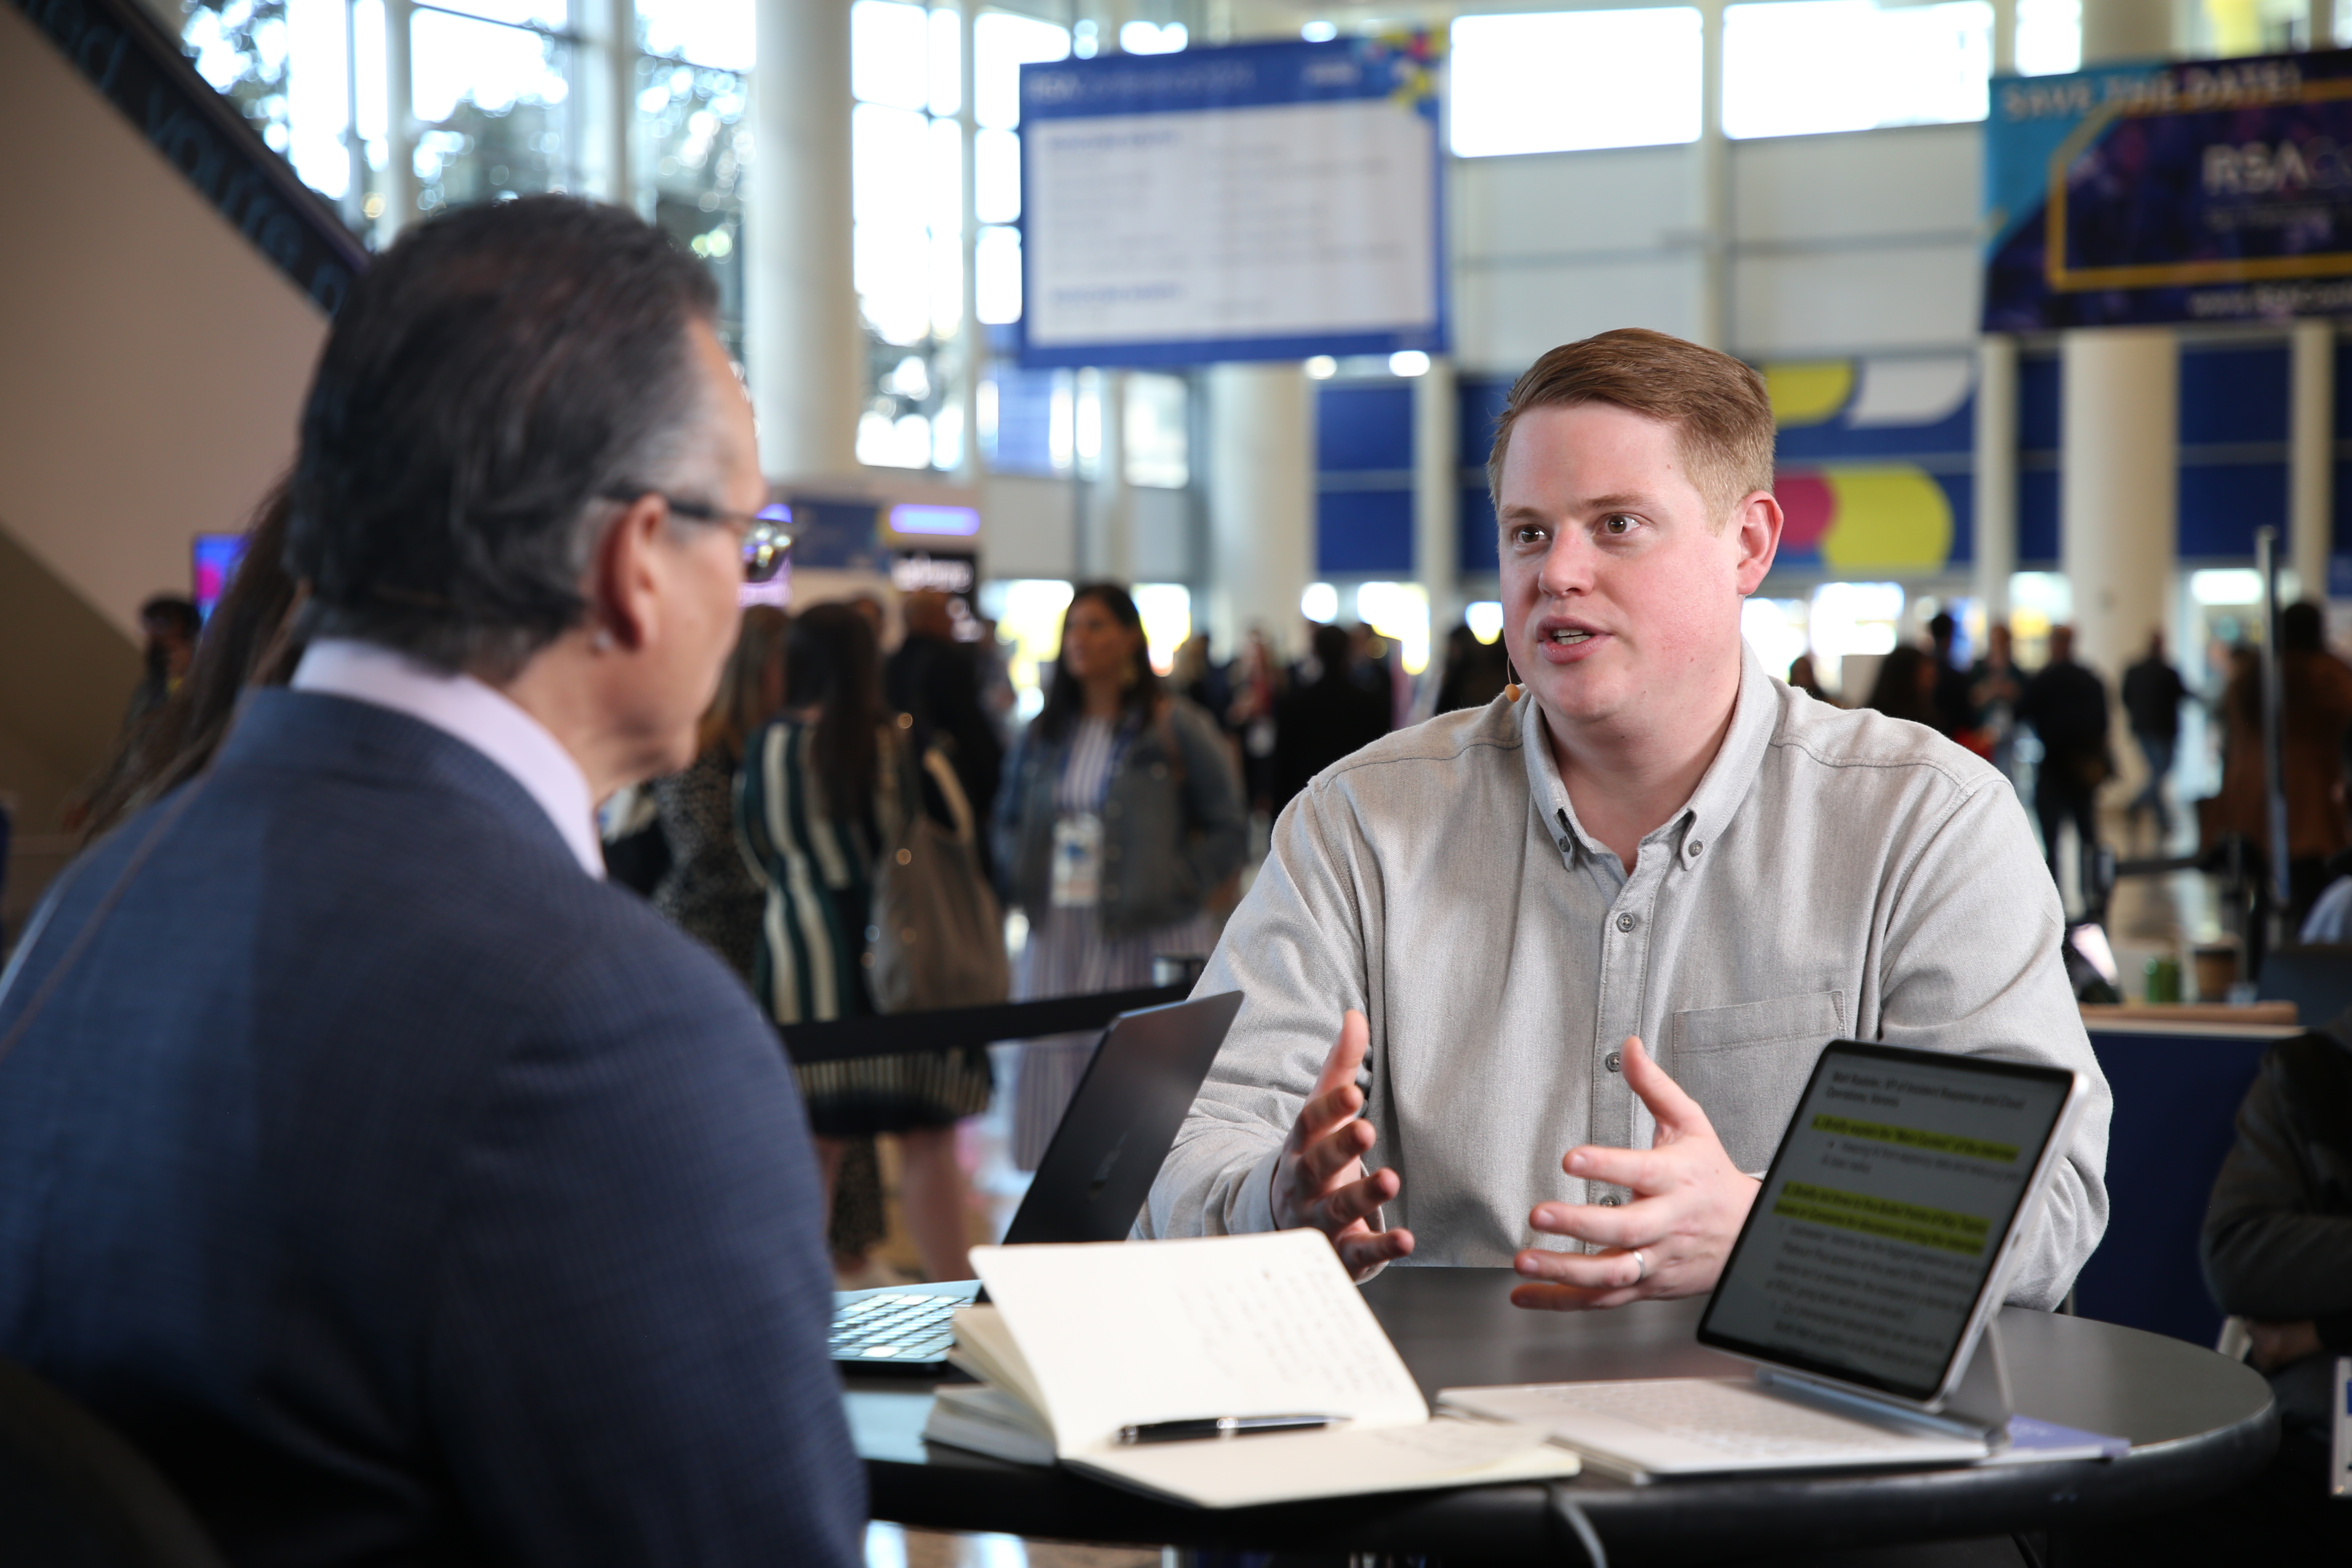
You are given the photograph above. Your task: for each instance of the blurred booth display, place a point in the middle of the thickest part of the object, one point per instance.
(879, 542)
(212, 562)
(2219, 191)
(1259, 202)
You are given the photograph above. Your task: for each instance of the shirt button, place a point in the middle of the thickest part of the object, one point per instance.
(1626, 922)
(1610, 1200)
(1695, 847)
(1613, 1061)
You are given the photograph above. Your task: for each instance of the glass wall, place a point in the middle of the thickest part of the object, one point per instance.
(907, 206)
(689, 140)
(489, 100)
(1566, 81)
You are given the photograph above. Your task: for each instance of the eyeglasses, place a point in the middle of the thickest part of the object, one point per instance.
(765, 539)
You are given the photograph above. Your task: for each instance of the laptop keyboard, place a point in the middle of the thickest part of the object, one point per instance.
(900, 1327)
(1734, 1418)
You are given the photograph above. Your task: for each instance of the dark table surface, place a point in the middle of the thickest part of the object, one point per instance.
(2197, 1424)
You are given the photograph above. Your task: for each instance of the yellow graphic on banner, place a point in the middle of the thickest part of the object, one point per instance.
(1808, 393)
(1891, 518)
(1884, 1218)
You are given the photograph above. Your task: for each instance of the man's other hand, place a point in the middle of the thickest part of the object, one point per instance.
(1320, 1180)
(1687, 1208)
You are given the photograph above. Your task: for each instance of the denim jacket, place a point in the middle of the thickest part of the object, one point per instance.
(1173, 827)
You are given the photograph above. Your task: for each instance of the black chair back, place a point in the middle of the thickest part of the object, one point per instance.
(74, 1494)
(2318, 979)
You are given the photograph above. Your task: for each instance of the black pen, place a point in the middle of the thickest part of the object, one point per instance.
(1221, 1426)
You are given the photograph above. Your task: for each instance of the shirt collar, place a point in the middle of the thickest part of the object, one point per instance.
(1726, 781)
(465, 710)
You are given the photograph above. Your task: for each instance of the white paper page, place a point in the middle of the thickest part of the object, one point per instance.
(986, 1349)
(1124, 1331)
(1245, 1471)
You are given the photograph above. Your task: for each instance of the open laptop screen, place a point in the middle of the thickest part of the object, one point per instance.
(1883, 1214)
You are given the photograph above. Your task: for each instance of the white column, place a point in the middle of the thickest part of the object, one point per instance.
(2119, 535)
(620, 55)
(1996, 475)
(2004, 36)
(1107, 545)
(2118, 528)
(1261, 500)
(1717, 213)
(2311, 456)
(801, 331)
(399, 123)
(971, 342)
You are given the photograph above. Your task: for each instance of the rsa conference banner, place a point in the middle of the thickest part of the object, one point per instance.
(1265, 201)
(2214, 191)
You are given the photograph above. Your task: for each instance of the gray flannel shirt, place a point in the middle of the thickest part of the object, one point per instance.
(1835, 874)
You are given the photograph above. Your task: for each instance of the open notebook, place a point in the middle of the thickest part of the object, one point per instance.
(1082, 1341)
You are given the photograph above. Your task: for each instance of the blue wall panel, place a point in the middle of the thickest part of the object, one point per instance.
(2038, 405)
(1478, 544)
(1360, 428)
(2234, 393)
(2221, 504)
(1363, 534)
(1961, 490)
(2037, 519)
(1481, 401)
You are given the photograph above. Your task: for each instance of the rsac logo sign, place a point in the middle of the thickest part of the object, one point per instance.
(2284, 168)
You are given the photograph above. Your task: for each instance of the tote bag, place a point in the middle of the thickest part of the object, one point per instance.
(939, 933)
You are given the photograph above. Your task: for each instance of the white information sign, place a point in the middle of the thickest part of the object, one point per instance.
(1174, 214)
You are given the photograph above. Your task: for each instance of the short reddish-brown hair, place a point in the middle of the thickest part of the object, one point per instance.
(1722, 418)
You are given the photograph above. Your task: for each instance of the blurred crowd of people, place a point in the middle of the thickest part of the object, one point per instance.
(1117, 823)
(2066, 707)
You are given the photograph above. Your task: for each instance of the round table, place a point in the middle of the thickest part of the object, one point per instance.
(2197, 1424)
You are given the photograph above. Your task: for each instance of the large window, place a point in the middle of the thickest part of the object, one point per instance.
(2050, 37)
(493, 97)
(690, 141)
(1000, 44)
(1794, 67)
(493, 107)
(1560, 81)
(907, 207)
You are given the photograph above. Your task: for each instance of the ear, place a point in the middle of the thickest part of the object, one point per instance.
(1756, 522)
(625, 603)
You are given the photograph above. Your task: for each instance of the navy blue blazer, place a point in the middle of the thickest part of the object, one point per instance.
(407, 1194)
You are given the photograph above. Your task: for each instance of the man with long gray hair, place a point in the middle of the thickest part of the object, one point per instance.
(405, 1191)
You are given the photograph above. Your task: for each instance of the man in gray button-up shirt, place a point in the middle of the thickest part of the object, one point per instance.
(1653, 842)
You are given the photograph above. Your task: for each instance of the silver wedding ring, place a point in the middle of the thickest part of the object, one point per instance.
(1642, 1263)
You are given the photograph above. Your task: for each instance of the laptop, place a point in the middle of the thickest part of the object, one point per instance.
(1861, 1287)
(1096, 1172)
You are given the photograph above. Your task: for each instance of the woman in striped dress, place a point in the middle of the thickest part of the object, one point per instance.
(823, 790)
(1120, 816)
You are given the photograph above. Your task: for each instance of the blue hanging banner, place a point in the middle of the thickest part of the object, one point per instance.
(1259, 202)
(2214, 191)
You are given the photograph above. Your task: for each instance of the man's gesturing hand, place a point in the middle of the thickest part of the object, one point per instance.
(1319, 1179)
(1688, 1205)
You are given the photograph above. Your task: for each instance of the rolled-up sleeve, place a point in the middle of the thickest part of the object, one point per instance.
(1972, 966)
(1295, 949)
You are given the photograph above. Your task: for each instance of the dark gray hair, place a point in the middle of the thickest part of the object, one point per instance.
(488, 381)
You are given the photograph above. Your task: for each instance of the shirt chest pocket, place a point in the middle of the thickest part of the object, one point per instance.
(1747, 1064)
